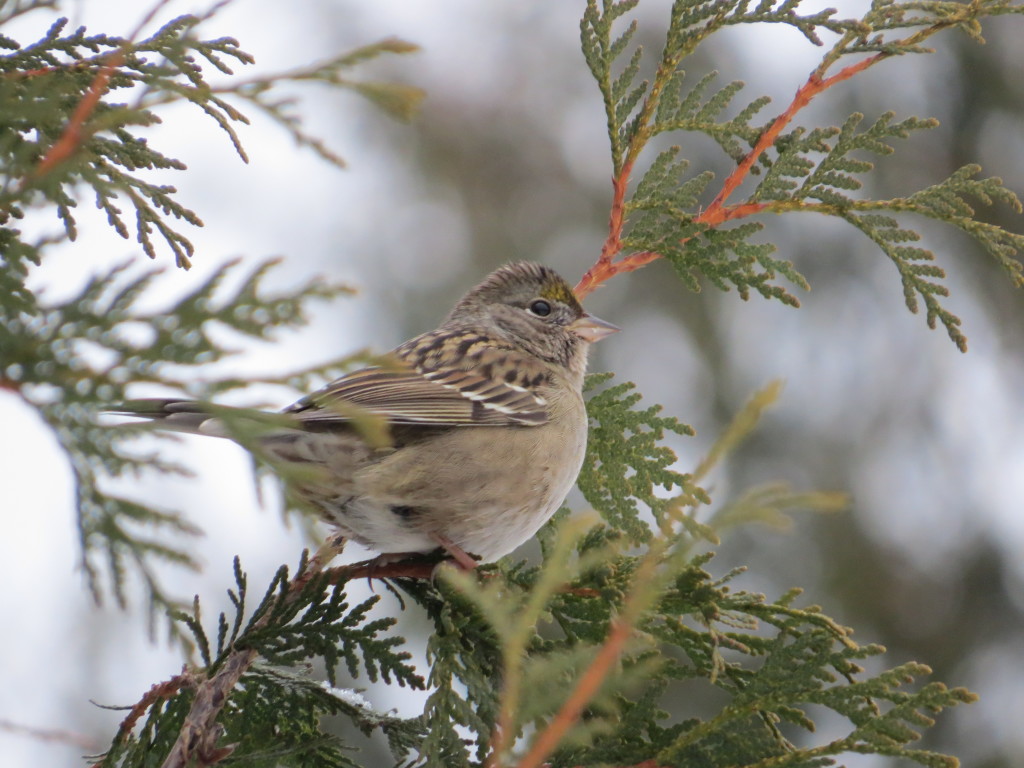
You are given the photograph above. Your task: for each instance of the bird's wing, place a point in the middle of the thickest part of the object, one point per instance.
(495, 386)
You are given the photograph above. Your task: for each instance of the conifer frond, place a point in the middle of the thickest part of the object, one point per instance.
(273, 713)
(804, 167)
(627, 460)
(836, 171)
(47, 158)
(697, 111)
(773, 505)
(920, 277)
(290, 626)
(728, 257)
(778, 664)
(79, 356)
(465, 679)
(948, 201)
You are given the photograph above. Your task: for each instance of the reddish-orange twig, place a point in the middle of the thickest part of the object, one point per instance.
(597, 672)
(584, 692)
(616, 219)
(815, 84)
(72, 136)
(31, 72)
(717, 212)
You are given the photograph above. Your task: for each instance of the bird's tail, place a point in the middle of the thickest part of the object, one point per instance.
(179, 416)
(199, 418)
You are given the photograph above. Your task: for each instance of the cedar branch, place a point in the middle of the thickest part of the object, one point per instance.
(164, 690)
(717, 212)
(196, 744)
(74, 133)
(594, 676)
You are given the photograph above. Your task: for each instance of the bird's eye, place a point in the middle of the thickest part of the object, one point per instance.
(540, 308)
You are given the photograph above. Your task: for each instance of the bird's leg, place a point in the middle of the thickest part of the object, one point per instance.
(458, 554)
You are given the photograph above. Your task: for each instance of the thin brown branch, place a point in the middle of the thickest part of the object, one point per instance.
(159, 691)
(196, 744)
(411, 568)
(644, 764)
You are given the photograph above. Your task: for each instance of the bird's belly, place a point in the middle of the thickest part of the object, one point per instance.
(377, 525)
(487, 506)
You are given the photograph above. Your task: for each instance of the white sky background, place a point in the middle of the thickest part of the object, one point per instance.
(288, 203)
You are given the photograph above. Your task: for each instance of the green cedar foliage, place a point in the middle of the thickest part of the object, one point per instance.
(798, 168)
(277, 706)
(573, 661)
(67, 358)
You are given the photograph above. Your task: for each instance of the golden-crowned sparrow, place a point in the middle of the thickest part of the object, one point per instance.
(486, 419)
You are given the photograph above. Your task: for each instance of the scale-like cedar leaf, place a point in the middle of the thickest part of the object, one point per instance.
(626, 460)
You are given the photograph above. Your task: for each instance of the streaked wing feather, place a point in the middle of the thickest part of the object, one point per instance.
(409, 397)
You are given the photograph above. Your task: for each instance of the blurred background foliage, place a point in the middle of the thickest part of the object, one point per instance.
(508, 160)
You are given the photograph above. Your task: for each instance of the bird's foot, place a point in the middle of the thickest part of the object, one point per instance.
(465, 561)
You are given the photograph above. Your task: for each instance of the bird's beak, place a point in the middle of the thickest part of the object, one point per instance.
(591, 329)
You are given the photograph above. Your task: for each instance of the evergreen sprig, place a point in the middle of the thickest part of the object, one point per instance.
(634, 119)
(80, 355)
(626, 460)
(465, 679)
(805, 168)
(778, 665)
(64, 137)
(946, 201)
(60, 129)
(271, 712)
